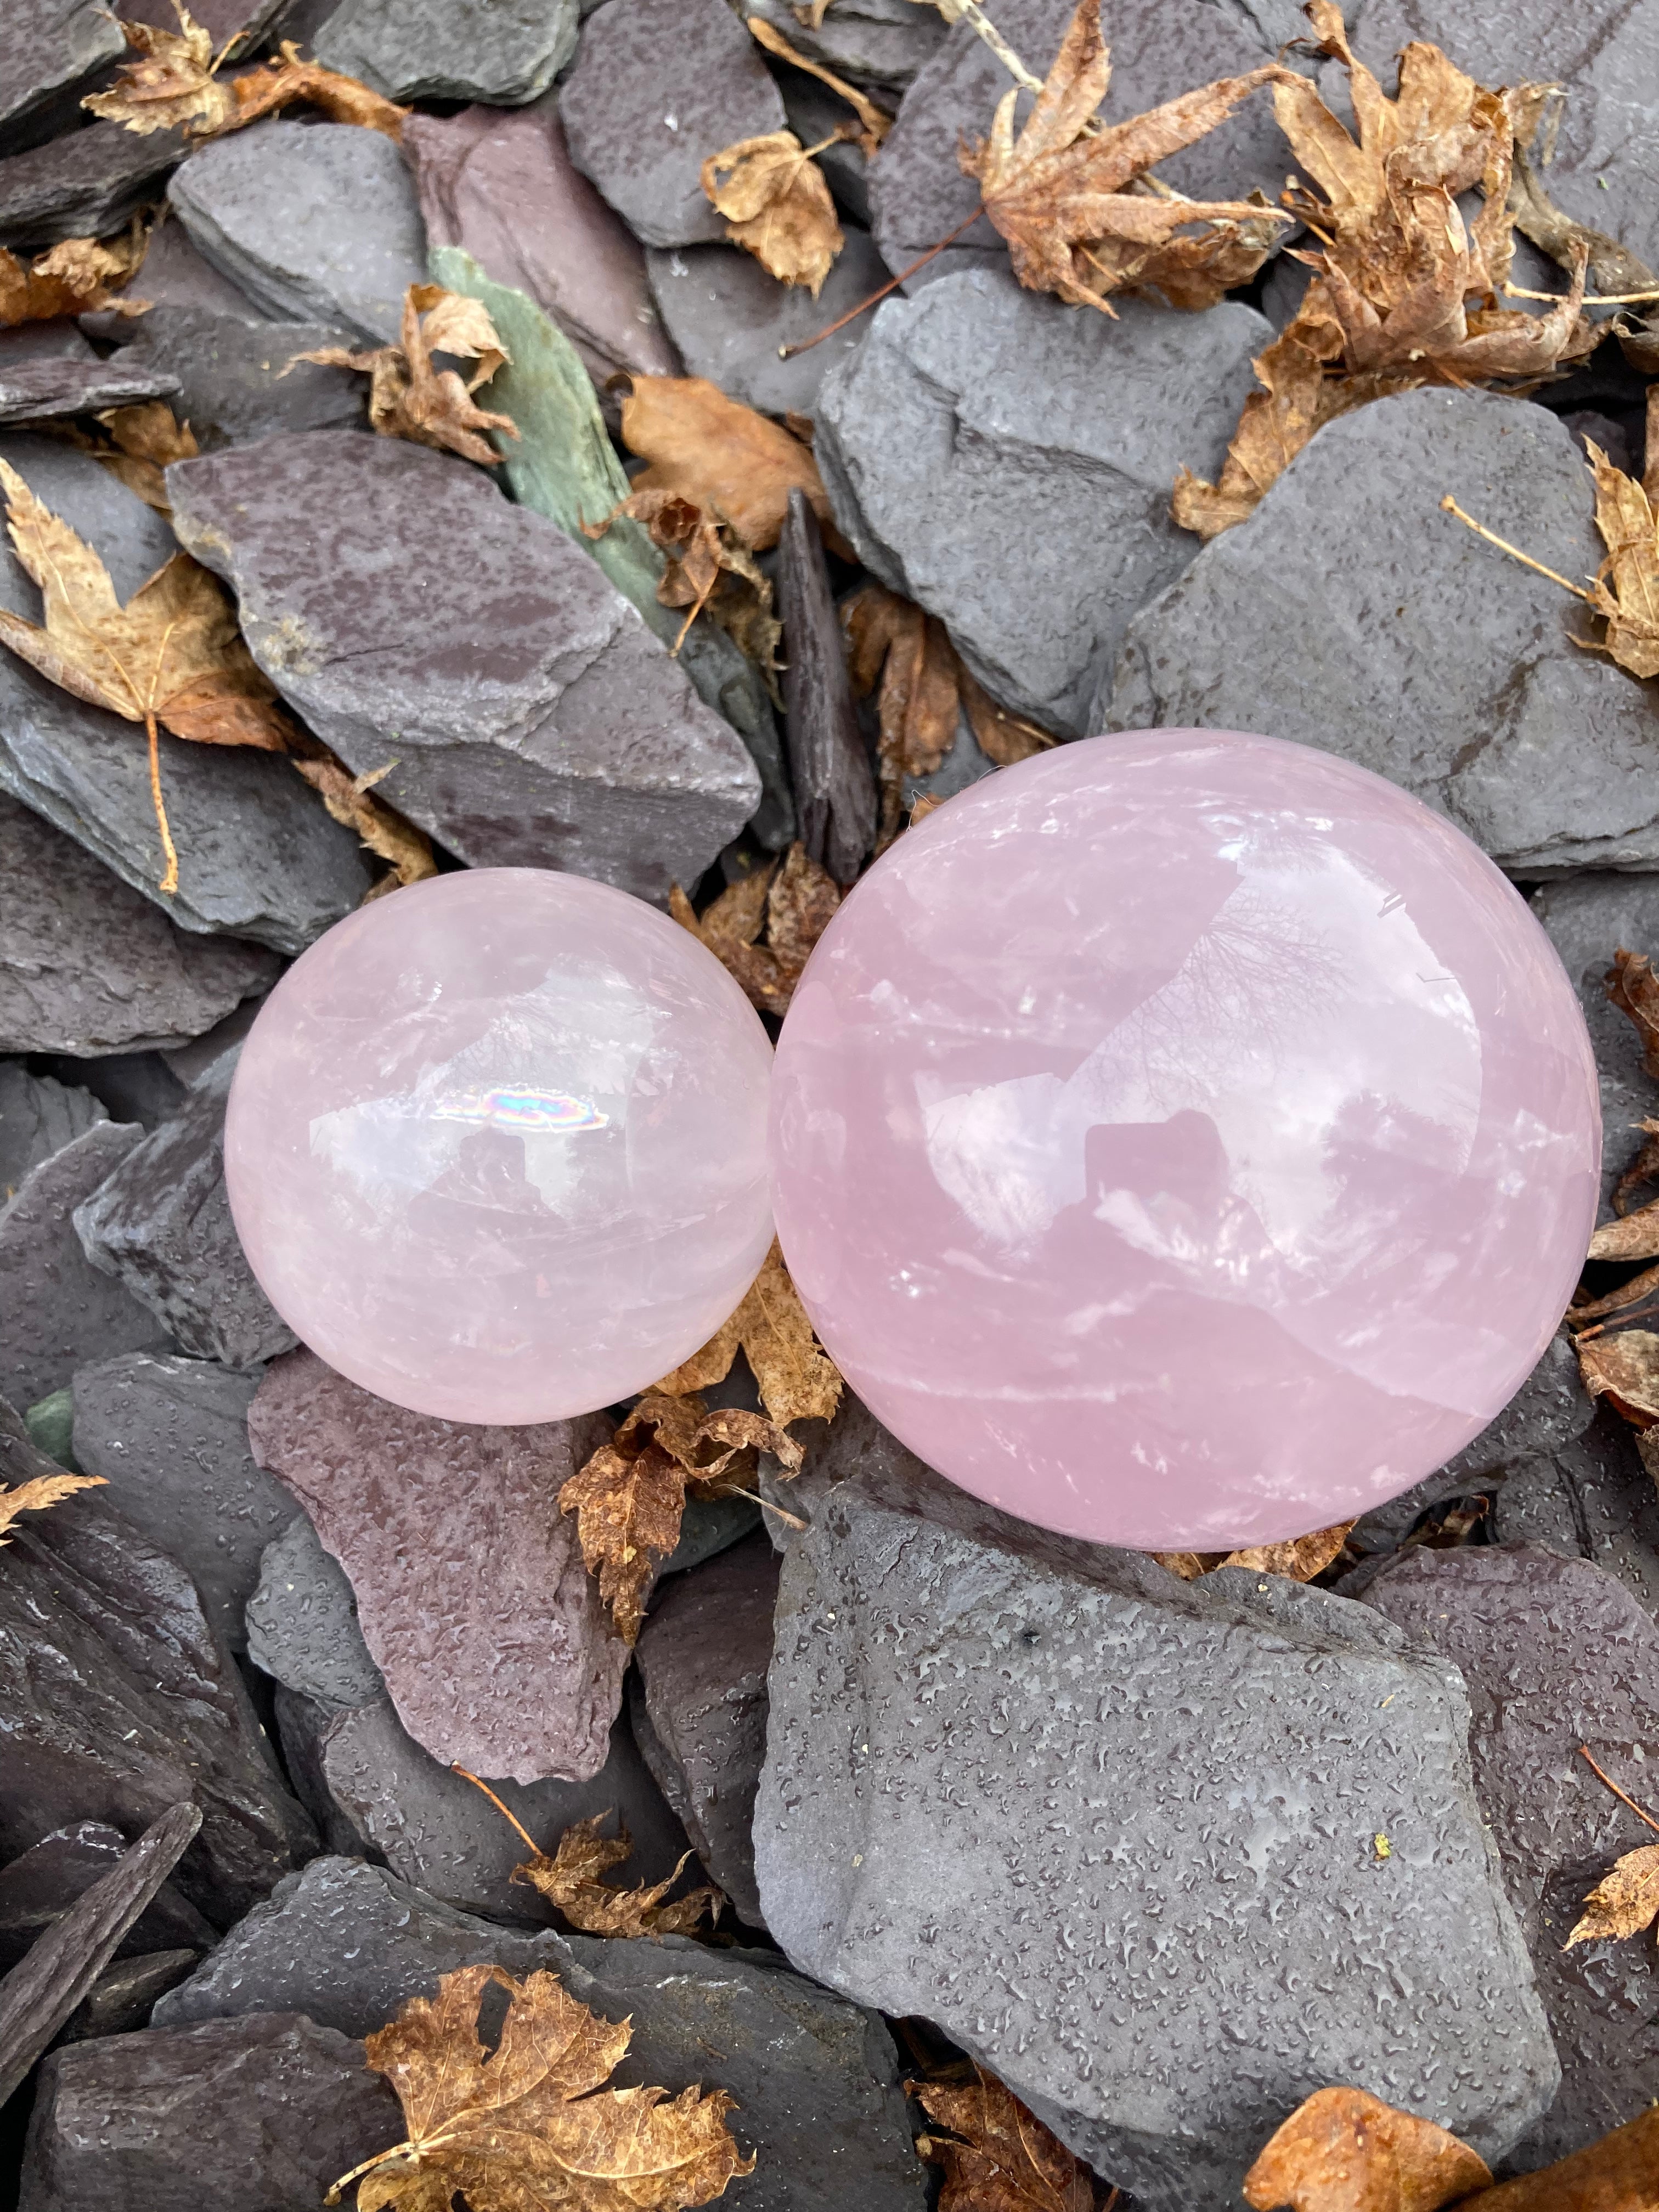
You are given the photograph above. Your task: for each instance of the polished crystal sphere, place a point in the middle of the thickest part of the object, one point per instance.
(1184, 1141)
(496, 1146)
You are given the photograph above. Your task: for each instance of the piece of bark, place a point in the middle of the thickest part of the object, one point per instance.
(38, 1995)
(835, 787)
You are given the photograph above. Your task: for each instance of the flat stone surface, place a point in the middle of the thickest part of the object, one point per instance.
(258, 856)
(124, 1702)
(1588, 919)
(880, 43)
(84, 185)
(502, 187)
(1010, 1779)
(534, 720)
(316, 221)
(176, 276)
(170, 1438)
(472, 1596)
(161, 1224)
(657, 87)
(702, 1659)
(57, 1309)
(38, 1116)
(47, 49)
(40, 1886)
(1420, 652)
(1007, 462)
(35, 390)
(505, 51)
(1593, 1500)
(1556, 1654)
(433, 1829)
(816, 2079)
(120, 2001)
(728, 318)
(231, 374)
(56, 340)
(303, 1622)
(264, 2112)
(919, 192)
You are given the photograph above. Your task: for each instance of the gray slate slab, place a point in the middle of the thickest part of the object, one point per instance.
(57, 1309)
(1556, 1654)
(1005, 462)
(263, 2112)
(47, 49)
(258, 856)
(38, 1116)
(303, 1622)
(170, 1438)
(1080, 1815)
(161, 1224)
(40, 1884)
(1593, 1500)
(728, 319)
(317, 222)
(816, 2078)
(533, 718)
(33, 392)
(1419, 651)
(469, 49)
(471, 1592)
(232, 374)
(84, 185)
(657, 87)
(879, 43)
(1588, 918)
(176, 276)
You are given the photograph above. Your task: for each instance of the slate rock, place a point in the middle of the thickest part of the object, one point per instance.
(48, 49)
(1010, 1779)
(816, 2079)
(503, 187)
(1007, 462)
(917, 187)
(249, 22)
(729, 319)
(36, 391)
(316, 221)
(85, 184)
(133, 1086)
(57, 1309)
(707, 1526)
(232, 374)
(659, 86)
(50, 1422)
(303, 1622)
(471, 1591)
(120, 1999)
(1594, 1500)
(504, 50)
(1556, 1654)
(816, 113)
(264, 2113)
(40, 1886)
(880, 43)
(702, 1660)
(1420, 652)
(1588, 919)
(124, 1702)
(176, 276)
(435, 1829)
(533, 719)
(828, 759)
(170, 1438)
(38, 1117)
(161, 1223)
(56, 340)
(259, 857)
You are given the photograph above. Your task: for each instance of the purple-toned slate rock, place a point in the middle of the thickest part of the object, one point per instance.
(501, 186)
(659, 86)
(471, 1592)
(84, 185)
(39, 1887)
(49, 50)
(1556, 1654)
(36, 391)
(880, 43)
(702, 1660)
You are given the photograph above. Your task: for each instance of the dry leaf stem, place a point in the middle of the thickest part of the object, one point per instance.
(1448, 506)
(788, 352)
(524, 1834)
(1583, 1753)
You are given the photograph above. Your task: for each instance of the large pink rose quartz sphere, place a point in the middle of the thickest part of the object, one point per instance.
(1184, 1141)
(496, 1146)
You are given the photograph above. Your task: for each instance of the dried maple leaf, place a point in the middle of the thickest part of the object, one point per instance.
(1625, 1370)
(1063, 197)
(1344, 2150)
(146, 438)
(1632, 1237)
(997, 2157)
(1625, 1901)
(735, 464)
(39, 1493)
(408, 398)
(1624, 591)
(570, 1881)
(777, 206)
(1644, 1168)
(1634, 989)
(174, 84)
(875, 121)
(1613, 269)
(794, 903)
(74, 278)
(350, 799)
(797, 1379)
(708, 570)
(531, 2124)
(1299, 1560)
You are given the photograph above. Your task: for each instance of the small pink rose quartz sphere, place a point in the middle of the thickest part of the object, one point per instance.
(496, 1146)
(1184, 1141)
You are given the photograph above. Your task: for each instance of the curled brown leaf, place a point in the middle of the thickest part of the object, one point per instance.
(1634, 989)
(1625, 1900)
(570, 1879)
(793, 903)
(777, 206)
(797, 1379)
(1624, 1368)
(1344, 2150)
(710, 570)
(408, 398)
(726, 459)
(875, 121)
(174, 84)
(76, 277)
(998, 2156)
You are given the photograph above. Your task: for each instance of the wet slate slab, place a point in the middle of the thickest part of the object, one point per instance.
(657, 87)
(880, 43)
(237, 377)
(1009, 1778)
(170, 1438)
(1556, 1654)
(538, 722)
(48, 50)
(1007, 462)
(34, 392)
(1593, 1500)
(84, 185)
(469, 50)
(38, 1116)
(302, 1622)
(472, 1593)
(161, 1224)
(40, 1885)
(265, 2112)
(828, 759)
(816, 2078)
(57, 1309)
(1588, 918)
(1422, 653)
